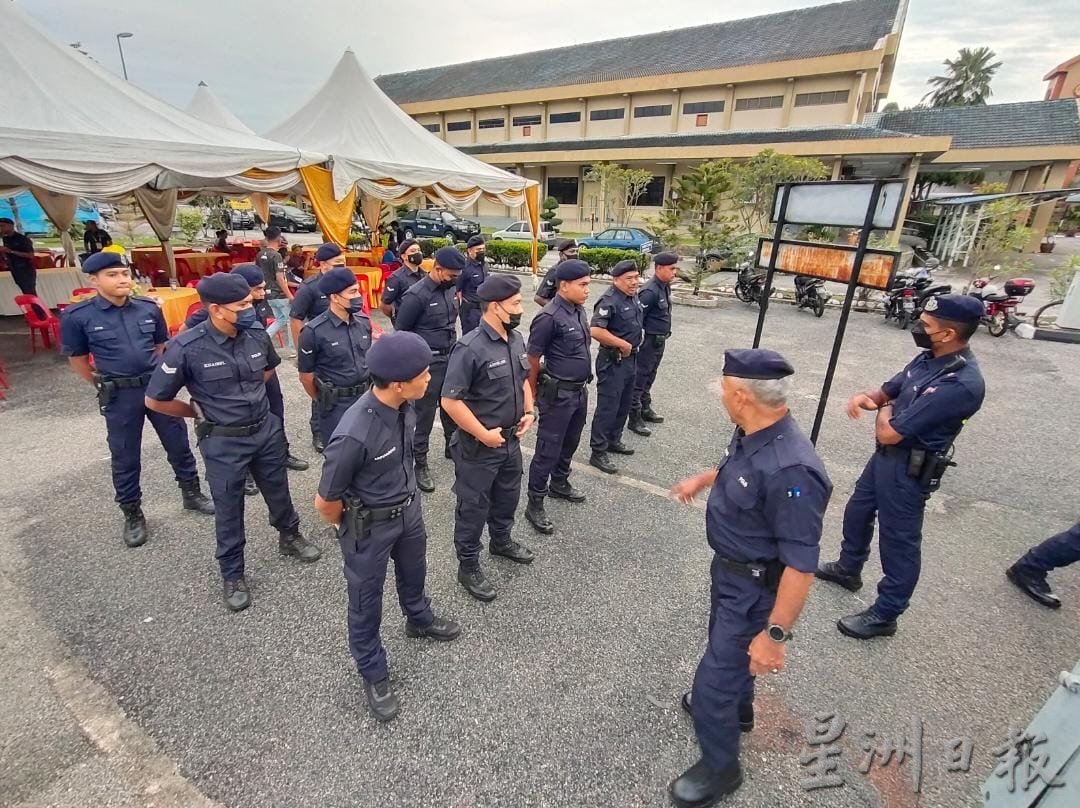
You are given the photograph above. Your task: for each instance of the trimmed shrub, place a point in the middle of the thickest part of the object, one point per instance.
(602, 259)
(513, 254)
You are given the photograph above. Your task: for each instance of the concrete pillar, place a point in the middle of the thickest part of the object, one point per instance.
(1055, 179)
(582, 127)
(912, 173)
(507, 120)
(789, 103)
(858, 87)
(837, 168)
(676, 110)
(729, 106)
(628, 113)
(543, 121)
(1036, 177)
(1016, 181)
(442, 125)
(472, 129)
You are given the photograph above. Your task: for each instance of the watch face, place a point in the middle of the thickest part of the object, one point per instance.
(777, 633)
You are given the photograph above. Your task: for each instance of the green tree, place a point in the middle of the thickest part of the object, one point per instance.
(620, 190)
(190, 222)
(966, 81)
(550, 205)
(665, 226)
(753, 185)
(892, 106)
(1002, 234)
(699, 194)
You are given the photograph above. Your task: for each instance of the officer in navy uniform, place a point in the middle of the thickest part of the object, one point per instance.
(333, 350)
(560, 336)
(126, 335)
(487, 394)
(616, 325)
(308, 303)
(224, 362)
(469, 281)
(429, 308)
(402, 278)
(655, 297)
(368, 490)
(763, 520)
(920, 411)
(1029, 573)
(545, 293)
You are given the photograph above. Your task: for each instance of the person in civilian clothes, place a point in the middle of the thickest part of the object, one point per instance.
(278, 293)
(18, 253)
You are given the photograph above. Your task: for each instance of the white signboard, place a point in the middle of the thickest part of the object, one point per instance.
(840, 204)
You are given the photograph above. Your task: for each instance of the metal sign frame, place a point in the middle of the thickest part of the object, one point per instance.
(883, 186)
(787, 242)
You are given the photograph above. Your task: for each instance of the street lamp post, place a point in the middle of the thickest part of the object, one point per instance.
(120, 46)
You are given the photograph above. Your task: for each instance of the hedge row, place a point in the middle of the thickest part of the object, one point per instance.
(602, 259)
(514, 254)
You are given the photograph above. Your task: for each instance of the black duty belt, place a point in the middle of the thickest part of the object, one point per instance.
(207, 428)
(616, 351)
(508, 432)
(893, 451)
(440, 351)
(391, 511)
(563, 384)
(355, 390)
(766, 573)
(128, 381)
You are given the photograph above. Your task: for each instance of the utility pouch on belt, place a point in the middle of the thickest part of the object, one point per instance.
(327, 395)
(935, 468)
(916, 463)
(106, 390)
(614, 354)
(547, 387)
(357, 518)
(202, 427)
(658, 340)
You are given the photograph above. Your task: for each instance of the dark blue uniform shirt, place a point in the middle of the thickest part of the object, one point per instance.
(335, 350)
(370, 456)
(122, 339)
(471, 277)
(655, 300)
(430, 312)
(223, 374)
(308, 302)
(929, 405)
(488, 373)
(549, 285)
(769, 498)
(400, 281)
(620, 314)
(560, 334)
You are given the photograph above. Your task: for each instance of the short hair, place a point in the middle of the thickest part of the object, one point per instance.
(221, 232)
(964, 330)
(379, 383)
(770, 392)
(272, 233)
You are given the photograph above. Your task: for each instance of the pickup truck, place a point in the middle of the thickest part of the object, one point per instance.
(437, 223)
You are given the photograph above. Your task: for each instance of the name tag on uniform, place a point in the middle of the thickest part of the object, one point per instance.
(215, 364)
(434, 303)
(255, 355)
(497, 363)
(334, 344)
(97, 328)
(743, 482)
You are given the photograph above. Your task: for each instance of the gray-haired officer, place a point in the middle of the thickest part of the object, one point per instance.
(403, 278)
(368, 490)
(474, 274)
(655, 297)
(616, 325)
(763, 520)
(487, 394)
(126, 335)
(560, 336)
(429, 308)
(333, 350)
(920, 411)
(224, 362)
(545, 293)
(308, 303)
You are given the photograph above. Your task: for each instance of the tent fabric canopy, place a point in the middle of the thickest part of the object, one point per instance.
(206, 106)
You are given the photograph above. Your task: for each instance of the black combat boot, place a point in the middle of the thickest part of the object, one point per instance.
(537, 516)
(294, 544)
(560, 488)
(194, 499)
(637, 424)
(294, 463)
(250, 489)
(135, 533)
(472, 578)
(601, 461)
(236, 595)
(423, 476)
(649, 414)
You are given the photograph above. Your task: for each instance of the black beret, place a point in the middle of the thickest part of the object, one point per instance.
(250, 273)
(756, 363)
(6, 220)
(498, 287)
(107, 260)
(958, 308)
(336, 280)
(564, 244)
(621, 268)
(400, 356)
(327, 251)
(223, 287)
(572, 270)
(403, 246)
(475, 241)
(450, 258)
(665, 259)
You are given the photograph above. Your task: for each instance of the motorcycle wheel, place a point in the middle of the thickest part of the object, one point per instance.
(997, 325)
(819, 306)
(903, 319)
(742, 293)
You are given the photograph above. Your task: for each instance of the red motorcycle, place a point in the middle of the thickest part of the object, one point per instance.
(1001, 306)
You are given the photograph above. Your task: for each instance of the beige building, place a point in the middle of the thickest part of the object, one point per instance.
(804, 82)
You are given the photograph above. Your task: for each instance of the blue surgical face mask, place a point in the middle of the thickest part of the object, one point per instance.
(245, 319)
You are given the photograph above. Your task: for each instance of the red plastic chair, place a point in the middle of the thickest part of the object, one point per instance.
(365, 262)
(39, 318)
(84, 290)
(281, 340)
(192, 285)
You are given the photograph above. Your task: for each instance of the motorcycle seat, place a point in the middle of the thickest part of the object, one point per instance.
(995, 297)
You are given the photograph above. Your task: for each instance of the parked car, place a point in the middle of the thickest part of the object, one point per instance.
(292, 220)
(437, 223)
(232, 219)
(521, 231)
(622, 238)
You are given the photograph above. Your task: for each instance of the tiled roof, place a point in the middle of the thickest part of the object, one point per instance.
(1026, 123)
(848, 27)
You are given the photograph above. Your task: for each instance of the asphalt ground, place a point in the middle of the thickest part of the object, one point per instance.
(565, 690)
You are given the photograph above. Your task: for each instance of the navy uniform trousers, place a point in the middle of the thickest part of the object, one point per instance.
(557, 437)
(614, 391)
(884, 490)
(487, 484)
(470, 315)
(1057, 551)
(426, 407)
(228, 461)
(124, 419)
(274, 398)
(329, 419)
(648, 362)
(403, 539)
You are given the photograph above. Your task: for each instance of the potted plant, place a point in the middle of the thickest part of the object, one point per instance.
(1047, 245)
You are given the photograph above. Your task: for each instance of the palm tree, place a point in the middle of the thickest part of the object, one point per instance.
(966, 81)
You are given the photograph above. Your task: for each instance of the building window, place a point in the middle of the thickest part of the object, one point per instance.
(701, 120)
(431, 127)
(458, 126)
(653, 195)
(527, 120)
(820, 99)
(564, 189)
(616, 114)
(491, 123)
(655, 111)
(764, 102)
(564, 117)
(700, 107)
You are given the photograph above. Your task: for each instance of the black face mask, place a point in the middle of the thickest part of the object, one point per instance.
(513, 322)
(480, 255)
(447, 284)
(416, 259)
(923, 339)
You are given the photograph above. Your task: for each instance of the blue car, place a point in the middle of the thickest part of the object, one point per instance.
(621, 238)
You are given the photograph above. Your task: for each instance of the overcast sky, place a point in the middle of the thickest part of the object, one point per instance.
(265, 58)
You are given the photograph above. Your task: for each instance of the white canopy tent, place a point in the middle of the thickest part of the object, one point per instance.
(206, 106)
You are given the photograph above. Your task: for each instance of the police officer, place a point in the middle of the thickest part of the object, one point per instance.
(560, 336)
(920, 411)
(545, 293)
(308, 303)
(224, 362)
(1029, 573)
(469, 281)
(429, 308)
(126, 335)
(616, 325)
(655, 297)
(487, 394)
(368, 491)
(763, 520)
(333, 350)
(402, 278)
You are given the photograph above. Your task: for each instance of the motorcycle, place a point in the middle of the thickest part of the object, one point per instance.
(810, 293)
(908, 293)
(749, 285)
(1001, 306)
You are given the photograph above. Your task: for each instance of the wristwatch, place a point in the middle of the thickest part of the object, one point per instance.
(777, 633)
